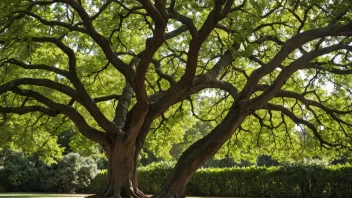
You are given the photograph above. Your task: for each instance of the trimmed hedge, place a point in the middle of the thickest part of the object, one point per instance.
(285, 181)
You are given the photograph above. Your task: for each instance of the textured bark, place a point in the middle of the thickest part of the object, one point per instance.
(198, 153)
(121, 172)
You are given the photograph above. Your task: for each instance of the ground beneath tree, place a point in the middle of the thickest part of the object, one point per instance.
(42, 195)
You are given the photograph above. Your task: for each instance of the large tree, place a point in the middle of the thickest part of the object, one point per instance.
(274, 71)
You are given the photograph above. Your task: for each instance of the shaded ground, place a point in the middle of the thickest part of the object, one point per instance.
(27, 195)
(41, 195)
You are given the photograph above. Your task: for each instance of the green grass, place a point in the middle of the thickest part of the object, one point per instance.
(42, 195)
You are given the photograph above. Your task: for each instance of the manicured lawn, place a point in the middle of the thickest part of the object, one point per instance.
(27, 195)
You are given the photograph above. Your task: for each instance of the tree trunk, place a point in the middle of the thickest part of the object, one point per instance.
(198, 153)
(121, 171)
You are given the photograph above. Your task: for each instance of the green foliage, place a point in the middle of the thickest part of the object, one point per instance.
(2, 189)
(80, 144)
(72, 173)
(154, 176)
(161, 141)
(286, 181)
(20, 173)
(197, 131)
(266, 160)
(28, 137)
(2, 181)
(98, 183)
(268, 55)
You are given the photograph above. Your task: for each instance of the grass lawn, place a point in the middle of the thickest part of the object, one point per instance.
(42, 195)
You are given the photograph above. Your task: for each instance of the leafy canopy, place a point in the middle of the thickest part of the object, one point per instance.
(69, 64)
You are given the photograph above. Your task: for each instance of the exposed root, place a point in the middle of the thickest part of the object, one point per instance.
(140, 193)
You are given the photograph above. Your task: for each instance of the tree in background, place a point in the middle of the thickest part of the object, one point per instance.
(271, 76)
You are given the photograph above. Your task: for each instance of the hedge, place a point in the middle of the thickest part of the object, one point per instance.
(72, 173)
(286, 181)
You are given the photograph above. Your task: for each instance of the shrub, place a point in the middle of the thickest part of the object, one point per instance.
(46, 177)
(285, 181)
(2, 181)
(153, 176)
(72, 173)
(98, 183)
(20, 173)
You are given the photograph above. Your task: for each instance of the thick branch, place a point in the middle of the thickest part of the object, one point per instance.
(160, 18)
(43, 83)
(305, 101)
(69, 111)
(54, 23)
(294, 43)
(29, 109)
(39, 66)
(123, 105)
(85, 99)
(194, 47)
(183, 19)
(107, 98)
(103, 42)
(285, 74)
(68, 51)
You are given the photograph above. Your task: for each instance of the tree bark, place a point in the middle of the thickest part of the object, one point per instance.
(122, 165)
(198, 153)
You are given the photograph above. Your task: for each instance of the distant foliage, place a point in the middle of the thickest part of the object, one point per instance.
(97, 184)
(2, 181)
(266, 160)
(72, 173)
(152, 177)
(20, 173)
(285, 181)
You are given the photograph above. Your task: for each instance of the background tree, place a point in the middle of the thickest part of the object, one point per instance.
(272, 77)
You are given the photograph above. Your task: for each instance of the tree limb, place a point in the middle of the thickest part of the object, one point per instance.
(76, 117)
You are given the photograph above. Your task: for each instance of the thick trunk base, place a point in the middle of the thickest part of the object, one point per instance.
(122, 181)
(123, 193)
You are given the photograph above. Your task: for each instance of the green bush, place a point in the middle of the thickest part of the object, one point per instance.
(72, 173)
(286, 181)
(153, 176)
(20, 173)
(2, 181)
(98, 183)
